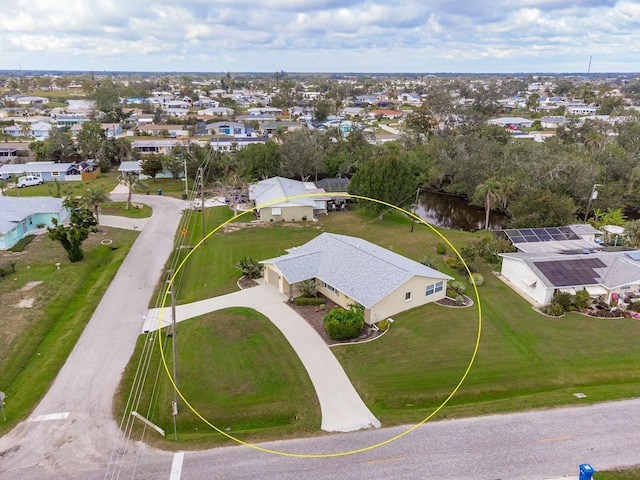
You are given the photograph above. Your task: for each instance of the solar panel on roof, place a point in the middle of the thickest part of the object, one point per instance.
(571, 272)
(634, 255)
(531, 235)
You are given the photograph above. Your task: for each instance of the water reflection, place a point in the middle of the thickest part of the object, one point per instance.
(447, 211)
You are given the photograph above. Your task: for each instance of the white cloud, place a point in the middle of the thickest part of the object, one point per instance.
(313, 35)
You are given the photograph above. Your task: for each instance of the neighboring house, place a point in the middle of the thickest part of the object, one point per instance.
(50, 171)
(389, 114)
(264, 110)
(20, 216)
(511, 122)
(270, 128)
(350, 270)
(8, 154)
(30, 100)
(538, 276)
(40, 131)
(353, 111)
(553, 121)
(133, 167)
(272, 197)
(68, 120)
(112, 130)
(155, 130)
(229, 144)
(157, 146)
(217, 112)
(227, 128)
(581, 109)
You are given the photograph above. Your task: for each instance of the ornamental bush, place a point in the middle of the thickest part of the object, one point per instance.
(304, 301)
(341, 324)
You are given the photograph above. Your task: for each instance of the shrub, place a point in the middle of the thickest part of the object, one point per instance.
(457, 286)
(553, 309)
(460, 300)
(452, 262)
(451, 293)
(468, 252)
(581, 299)
(22, 243)
(462, 270)
(478, 279)
(304, 301)
(634, 307)
(250, 267)
(383, 325)
(428, 262)
(342, 324)
(441, 248)
(563, 299)
(308, 288)
(304, 218)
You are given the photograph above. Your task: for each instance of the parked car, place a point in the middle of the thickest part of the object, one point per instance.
(29, 181)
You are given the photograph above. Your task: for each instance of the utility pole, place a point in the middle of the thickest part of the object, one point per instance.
(592, 196)
(415, 205)
(174, 344)
(201, 175)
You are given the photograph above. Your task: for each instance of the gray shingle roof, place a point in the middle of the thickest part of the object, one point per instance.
(619, 269)
(15, 209)
(278, 188)
(362, 270)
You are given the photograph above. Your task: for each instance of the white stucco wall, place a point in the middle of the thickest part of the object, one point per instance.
(518, 273)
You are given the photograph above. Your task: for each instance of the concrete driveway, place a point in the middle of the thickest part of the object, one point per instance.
(342, 408)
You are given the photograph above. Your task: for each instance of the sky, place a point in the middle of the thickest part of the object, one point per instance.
(421, 36)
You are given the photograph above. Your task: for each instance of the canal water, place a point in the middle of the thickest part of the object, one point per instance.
(454, 213)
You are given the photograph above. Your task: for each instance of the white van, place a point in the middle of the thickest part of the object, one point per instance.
(29, 181)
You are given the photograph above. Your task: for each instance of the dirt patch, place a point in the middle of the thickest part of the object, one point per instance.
(315, 316)
(26, 302)
(30, 285)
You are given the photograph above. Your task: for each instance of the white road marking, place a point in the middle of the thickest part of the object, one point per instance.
(176, 466)
(51, 416)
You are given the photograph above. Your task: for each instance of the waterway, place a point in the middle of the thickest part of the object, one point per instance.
(454, 213)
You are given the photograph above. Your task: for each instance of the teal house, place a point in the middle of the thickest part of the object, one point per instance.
(21, 216)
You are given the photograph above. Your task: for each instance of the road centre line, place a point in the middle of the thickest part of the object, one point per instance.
(51, 416)
(176, 466)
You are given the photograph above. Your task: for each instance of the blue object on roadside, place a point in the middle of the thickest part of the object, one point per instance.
(159, 191)
(586, 471)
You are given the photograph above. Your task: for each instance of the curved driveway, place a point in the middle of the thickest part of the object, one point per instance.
(342, 408)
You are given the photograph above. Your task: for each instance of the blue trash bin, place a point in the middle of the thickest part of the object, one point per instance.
(159, 191)
(586, 471)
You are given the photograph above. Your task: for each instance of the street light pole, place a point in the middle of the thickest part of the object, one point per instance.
(592, 196)
(186, 184)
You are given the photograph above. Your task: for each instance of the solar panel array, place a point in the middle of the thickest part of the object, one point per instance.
(563, 273)
(635, 255)
(548, 234)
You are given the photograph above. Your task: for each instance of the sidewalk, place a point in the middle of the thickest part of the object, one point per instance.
(342, 408)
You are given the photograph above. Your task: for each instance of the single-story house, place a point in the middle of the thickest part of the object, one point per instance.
(269, 128)
(20, 216)
(272, 196)
(581, 109)
(112, 130)
(258, 111)
(48, 171)
(228, 128)
(350, 270)
(217, 111)
(553, 121)
(537, 276)
(511, 122)
(163, 146)
(132, 167)
(8, 154)
(229, 144)
(390, 114)
(156, 130)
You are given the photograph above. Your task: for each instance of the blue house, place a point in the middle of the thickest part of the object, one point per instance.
(21, 216)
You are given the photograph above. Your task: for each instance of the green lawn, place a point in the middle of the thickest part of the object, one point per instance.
(118, 208)
(106, 181)
(621, 474)
(239, 372)
(525, 360)
(35, 342)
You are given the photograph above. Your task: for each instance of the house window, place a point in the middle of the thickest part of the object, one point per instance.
(55, 174)
(439, 286)
(430, 290)
(276, 211)
(330, 288)
(407, 296)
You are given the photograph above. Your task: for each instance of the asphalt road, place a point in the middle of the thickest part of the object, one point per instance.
(73, 433)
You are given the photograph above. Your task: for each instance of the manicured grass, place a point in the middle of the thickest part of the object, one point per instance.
(619, 474)
(525, 360)
(22, 243)
(118, 208)
(106, 181)
(169, 186)
(239, 372)
(35, 342)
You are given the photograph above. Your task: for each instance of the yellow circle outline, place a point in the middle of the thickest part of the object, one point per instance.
(337, 454)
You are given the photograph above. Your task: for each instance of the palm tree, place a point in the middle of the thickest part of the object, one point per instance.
(133, 183)
(93, 198)
(490, 193)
